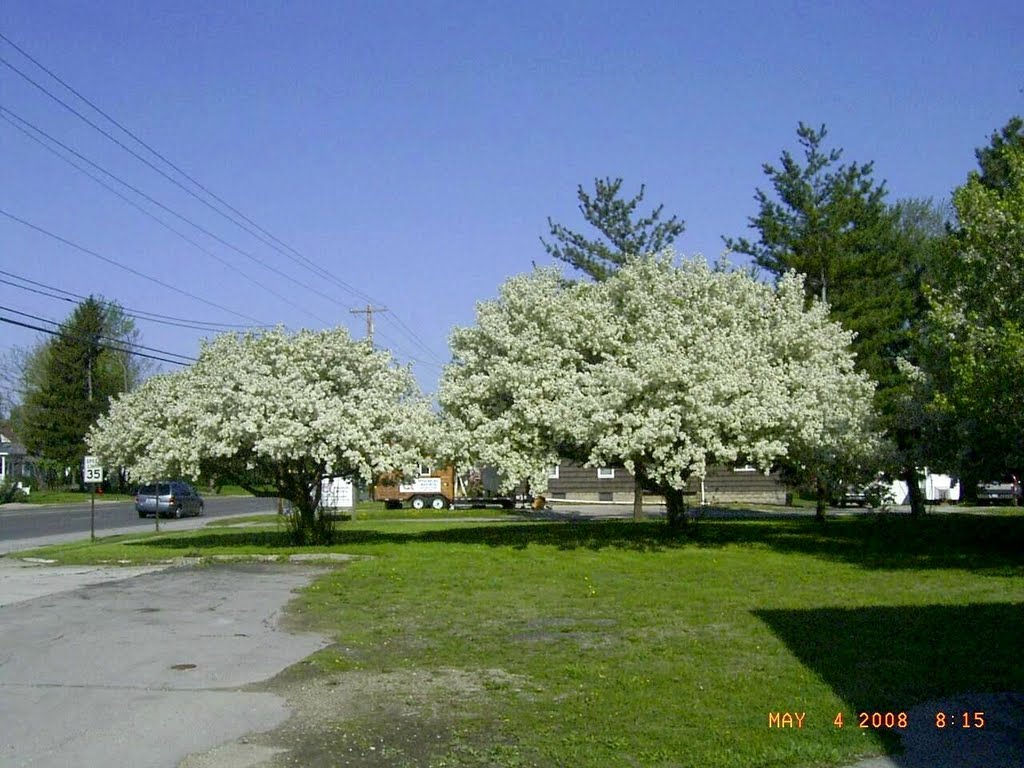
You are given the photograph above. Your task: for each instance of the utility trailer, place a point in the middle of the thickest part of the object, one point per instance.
(442, 488)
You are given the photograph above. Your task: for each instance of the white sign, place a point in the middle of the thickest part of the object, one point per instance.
(93, 470)
(422, 485)
(336, 493)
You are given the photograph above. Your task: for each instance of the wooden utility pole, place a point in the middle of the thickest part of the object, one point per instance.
(369, 318)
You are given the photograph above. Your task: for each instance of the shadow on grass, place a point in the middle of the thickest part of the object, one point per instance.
(894, 542)
(888, 659)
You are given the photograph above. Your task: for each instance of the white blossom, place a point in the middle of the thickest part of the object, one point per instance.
(676, 367)
(313, 404)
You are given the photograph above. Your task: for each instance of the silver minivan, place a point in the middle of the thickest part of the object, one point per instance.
(171, 498)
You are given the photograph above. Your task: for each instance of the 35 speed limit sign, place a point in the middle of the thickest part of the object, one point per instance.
(93, 470)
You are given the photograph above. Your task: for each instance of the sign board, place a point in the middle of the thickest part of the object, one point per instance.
(93, 470)
(422, 485)
(336, 493)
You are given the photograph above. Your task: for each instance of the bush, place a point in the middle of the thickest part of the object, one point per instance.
(9, 491)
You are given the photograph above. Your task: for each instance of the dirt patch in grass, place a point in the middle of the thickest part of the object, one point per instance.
(587, 633)
(397, 718)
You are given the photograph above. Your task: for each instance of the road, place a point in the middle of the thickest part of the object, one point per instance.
(23, 526)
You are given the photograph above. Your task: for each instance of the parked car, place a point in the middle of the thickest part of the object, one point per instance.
(1007, 491)
(855, 495)
(171, 498)
(877, 494)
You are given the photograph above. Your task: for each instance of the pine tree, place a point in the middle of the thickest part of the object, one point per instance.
(830, 221)
(72, 387)
(623, 235)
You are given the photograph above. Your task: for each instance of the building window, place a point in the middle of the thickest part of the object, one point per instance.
(426, 470)
(605, 496)
(606, 473)
(553, 472)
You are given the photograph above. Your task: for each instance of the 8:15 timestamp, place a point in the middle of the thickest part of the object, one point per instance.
(960, 720)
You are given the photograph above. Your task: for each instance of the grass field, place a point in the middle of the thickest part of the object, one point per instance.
(621, 644)
(69, 497)
(40, 496)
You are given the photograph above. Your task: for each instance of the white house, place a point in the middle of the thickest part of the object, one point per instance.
(15, 464)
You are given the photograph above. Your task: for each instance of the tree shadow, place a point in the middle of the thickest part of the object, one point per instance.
(594, 535)
(893, 542)
(923, 660)
(970, 542)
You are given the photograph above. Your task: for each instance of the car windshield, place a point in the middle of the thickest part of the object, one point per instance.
(150, 490)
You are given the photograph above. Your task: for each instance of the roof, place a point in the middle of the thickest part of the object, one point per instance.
(9, 446)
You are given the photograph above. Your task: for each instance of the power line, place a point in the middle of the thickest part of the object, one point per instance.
(105, 338)
(138, 314)
(103, 346)
(163, 173)
(125, 267)
(4, 111)
(165, 160)
(306, 262)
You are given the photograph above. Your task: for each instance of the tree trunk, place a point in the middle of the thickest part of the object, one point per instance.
(820, 500)
(914, 491)
(675, 506)
(638, 493)
(969, 485)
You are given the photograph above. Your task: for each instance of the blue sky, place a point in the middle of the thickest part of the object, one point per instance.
(415, 150)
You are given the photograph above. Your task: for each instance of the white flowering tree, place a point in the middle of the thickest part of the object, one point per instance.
(276, 413)
(665, 369)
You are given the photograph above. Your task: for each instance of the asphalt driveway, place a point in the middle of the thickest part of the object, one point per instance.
(140, 667)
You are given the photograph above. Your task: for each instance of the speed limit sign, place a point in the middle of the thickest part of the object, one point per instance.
(93, 470)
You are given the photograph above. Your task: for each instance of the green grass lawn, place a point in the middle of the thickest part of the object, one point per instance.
(69, 497)
(226, 490)
(620, 644)
(60, 496)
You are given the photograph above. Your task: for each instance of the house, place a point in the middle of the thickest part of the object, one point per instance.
(15, 463)
(745, 484)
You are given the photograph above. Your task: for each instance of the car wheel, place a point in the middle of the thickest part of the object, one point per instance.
(418, 502)
(142, 515)
(201, 510)
(437, 502)
(177, 512)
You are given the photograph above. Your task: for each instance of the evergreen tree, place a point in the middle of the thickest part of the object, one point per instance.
(994, 159)
(68, 382)
(623, 235)
(830, 222)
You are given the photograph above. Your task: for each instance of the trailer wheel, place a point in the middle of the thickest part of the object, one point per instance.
(437, 502)
(417, 502)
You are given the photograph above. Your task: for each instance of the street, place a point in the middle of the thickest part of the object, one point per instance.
(23, 526)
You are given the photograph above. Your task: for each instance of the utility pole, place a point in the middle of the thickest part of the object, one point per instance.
(369, 318)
